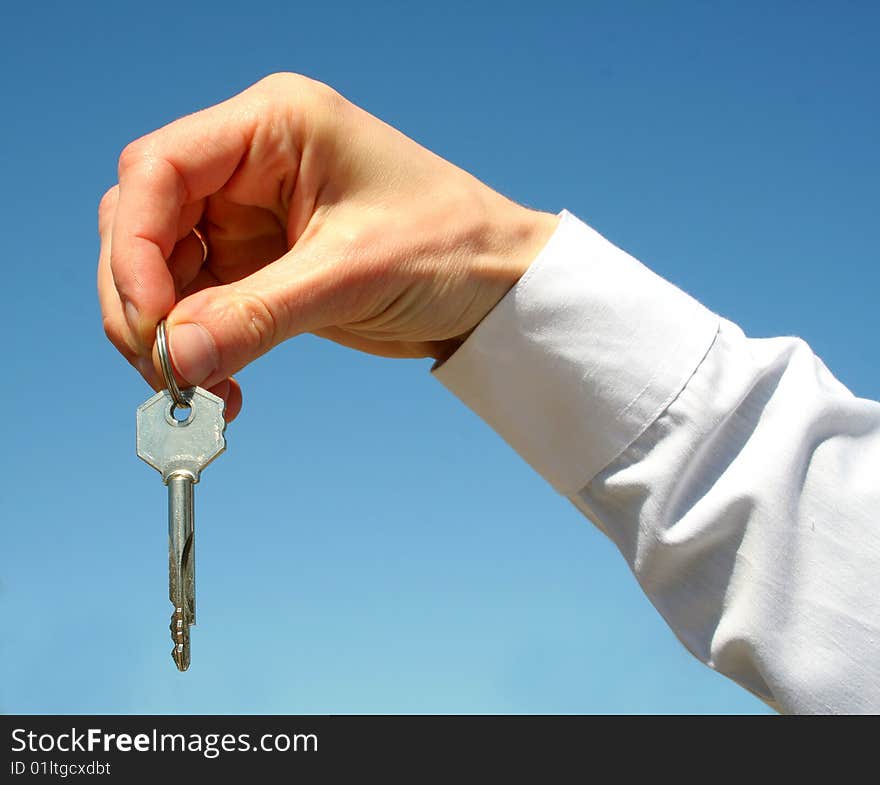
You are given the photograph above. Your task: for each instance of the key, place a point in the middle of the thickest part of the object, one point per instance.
(180, 443)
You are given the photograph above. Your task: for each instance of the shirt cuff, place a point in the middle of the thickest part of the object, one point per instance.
(580, 357)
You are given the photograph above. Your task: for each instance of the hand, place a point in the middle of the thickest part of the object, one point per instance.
(319, 218)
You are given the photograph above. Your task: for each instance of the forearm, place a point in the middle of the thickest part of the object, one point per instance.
(731, 473)
(747, 511)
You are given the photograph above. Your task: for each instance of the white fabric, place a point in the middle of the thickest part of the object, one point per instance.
(738, 478)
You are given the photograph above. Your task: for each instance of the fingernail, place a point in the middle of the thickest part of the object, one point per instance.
(193, 352)
(132, 316)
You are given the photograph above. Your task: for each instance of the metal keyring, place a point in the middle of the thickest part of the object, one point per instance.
(201, 238)
(177, 396)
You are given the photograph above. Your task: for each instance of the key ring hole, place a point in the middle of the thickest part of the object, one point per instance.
(179, 415)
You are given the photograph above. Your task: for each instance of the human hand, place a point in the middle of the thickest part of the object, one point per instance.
(319, 218)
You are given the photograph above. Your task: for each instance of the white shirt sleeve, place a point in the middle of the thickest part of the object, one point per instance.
(738, 477)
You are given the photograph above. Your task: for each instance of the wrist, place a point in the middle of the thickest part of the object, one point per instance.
(533, 230)
(518, 234)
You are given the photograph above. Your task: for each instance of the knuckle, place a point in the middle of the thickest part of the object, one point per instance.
(107, 206)
(133, 154)
(109, 329)
(278, 80)
(324, 97)
(284, 82)
(116, 336)
(258, 321)
(310, 95)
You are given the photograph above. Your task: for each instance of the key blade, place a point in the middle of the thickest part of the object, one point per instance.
(180, 592)
(180, 636)
(181, 569)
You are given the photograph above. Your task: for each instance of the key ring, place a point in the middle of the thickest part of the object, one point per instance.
(201, 238)
(180, 399)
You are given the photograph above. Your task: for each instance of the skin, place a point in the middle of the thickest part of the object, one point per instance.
(320, 219)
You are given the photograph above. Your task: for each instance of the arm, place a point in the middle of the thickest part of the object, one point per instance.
(737, 477)
(732, 474)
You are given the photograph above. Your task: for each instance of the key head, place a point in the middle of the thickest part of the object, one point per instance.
(171, 445)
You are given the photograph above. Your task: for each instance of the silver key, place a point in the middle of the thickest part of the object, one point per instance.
(179, 443)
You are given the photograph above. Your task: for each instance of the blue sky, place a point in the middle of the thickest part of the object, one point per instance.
(367, 544)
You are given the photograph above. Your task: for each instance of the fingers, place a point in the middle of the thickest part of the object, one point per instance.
(186, 257)
(240, 163)
(113, 317)
(186, 261)
(184, 264)
(218, 330)
(114, 322)
(161, 176)
(230, 391)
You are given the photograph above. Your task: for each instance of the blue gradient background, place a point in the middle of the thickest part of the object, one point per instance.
(367, 544)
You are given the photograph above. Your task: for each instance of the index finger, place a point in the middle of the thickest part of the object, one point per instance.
(159, 175)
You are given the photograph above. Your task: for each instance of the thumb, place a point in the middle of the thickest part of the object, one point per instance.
(215, 332)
